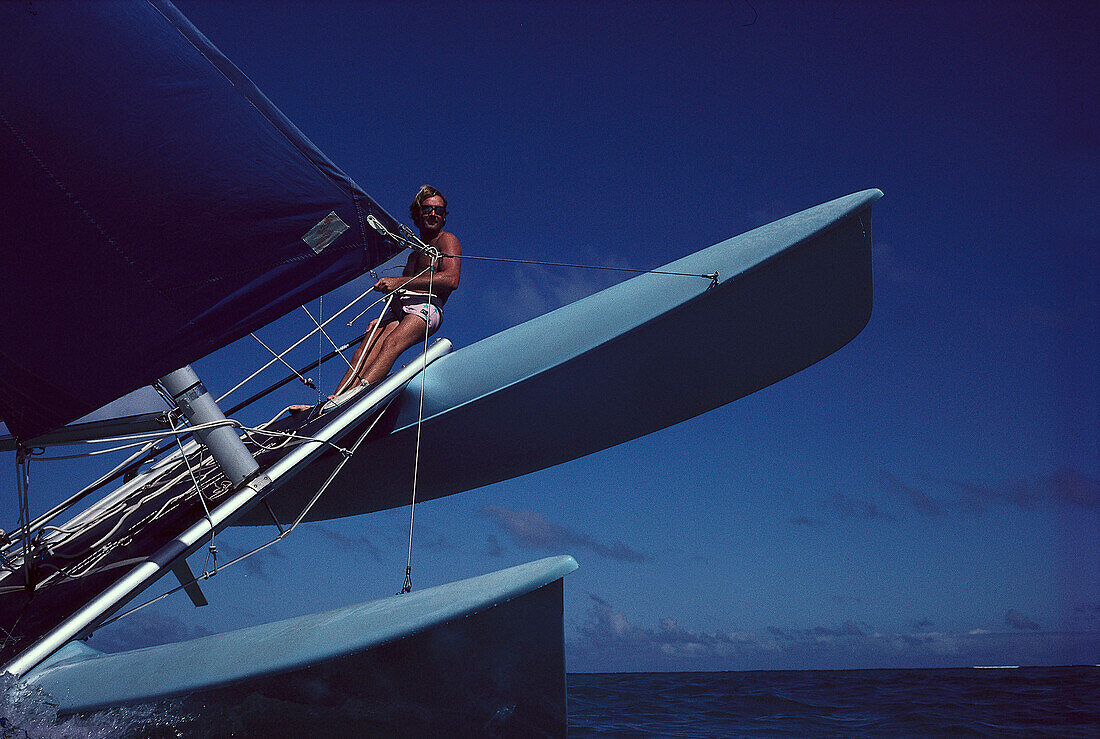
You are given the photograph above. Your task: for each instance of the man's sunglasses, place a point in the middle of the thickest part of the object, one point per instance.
(439, 210)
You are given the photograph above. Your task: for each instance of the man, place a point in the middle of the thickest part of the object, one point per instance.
(418, 305)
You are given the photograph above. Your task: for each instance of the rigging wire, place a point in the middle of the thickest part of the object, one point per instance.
(712, 277)
(406, 587)
(377, 324)
(236, 387)
(348, 453)
(213, 549)
(305, 381)
(320, 345)
(320, 349)
(390, 294)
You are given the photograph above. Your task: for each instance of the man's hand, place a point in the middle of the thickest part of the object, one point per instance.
(389, 284)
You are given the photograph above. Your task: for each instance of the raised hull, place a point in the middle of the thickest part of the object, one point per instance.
(632, 359)
(482, 656)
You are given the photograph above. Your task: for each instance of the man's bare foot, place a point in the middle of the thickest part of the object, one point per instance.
(296, 409)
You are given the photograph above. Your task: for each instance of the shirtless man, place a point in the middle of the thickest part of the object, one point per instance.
(404, 323)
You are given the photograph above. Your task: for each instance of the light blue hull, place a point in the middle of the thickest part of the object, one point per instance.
(640, 356)
(476, 655)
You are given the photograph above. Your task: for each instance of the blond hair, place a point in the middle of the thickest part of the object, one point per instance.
(425, 192)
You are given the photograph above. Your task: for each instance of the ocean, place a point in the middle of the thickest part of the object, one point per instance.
(1023, 702)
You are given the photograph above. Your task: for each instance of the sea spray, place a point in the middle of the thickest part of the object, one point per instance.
(29, 712)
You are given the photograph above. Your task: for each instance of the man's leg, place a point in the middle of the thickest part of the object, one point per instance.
(364, 356)
(406, 332)
(351, 378)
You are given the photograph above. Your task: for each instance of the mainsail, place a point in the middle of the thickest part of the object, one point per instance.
(156, 207)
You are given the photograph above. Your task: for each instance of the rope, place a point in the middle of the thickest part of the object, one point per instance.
(320, 345)
(282, 533)
(293, 346)
(279, 357)
(213, 549)
(406, 587)
(390, 295)
(712, 277)
(367, 345)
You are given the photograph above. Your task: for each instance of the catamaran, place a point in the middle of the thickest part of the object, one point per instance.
(158, 208)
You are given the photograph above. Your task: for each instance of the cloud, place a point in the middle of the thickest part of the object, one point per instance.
(254, 564)
(144, 628)
(492, 546)
(528, 290)
(901, 269)
(920, 501)
(427, 538)
(530, 530)
(1017, 620)
(819, 633)
(606, 632)
(607, 640)
(1064, 487)
(1087, 613)
(845, 507)
(358, 543)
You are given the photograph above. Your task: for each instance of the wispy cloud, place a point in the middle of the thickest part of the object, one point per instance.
(844, 506)
(1017, 620)
(145, 628)
(918, 500)
(607, 640)
(939, 498)
(1065, 486)
(903, 269)
(254, 564)
(492, 546)
(820, 633)
(529, 529)
(521, 292)
(360, 543)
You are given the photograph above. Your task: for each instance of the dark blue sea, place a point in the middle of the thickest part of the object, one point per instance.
(1023, 702)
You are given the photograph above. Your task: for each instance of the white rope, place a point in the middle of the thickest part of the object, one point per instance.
(319, 345)
(294, 345)
(399, 287)
(282, 533)
(202, 498)
(280, 358)
(406, 587)
(344, 386)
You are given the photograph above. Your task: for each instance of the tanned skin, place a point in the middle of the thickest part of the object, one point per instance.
(394, 336)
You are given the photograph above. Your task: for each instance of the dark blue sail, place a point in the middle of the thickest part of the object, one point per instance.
(156, 206)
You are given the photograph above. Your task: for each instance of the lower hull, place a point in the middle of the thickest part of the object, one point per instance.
(489, 665)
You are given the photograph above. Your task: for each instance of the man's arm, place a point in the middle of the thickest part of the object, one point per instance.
(443, 282)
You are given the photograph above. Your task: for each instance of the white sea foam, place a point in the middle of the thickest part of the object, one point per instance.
(29, 712)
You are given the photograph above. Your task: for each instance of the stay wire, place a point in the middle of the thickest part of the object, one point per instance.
(406, 587)
(712, 277)
(348, 453)
(213, 548)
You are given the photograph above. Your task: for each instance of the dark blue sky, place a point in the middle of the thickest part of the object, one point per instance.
(927, 496)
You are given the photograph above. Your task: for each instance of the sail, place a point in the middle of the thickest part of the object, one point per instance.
(156, 206)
